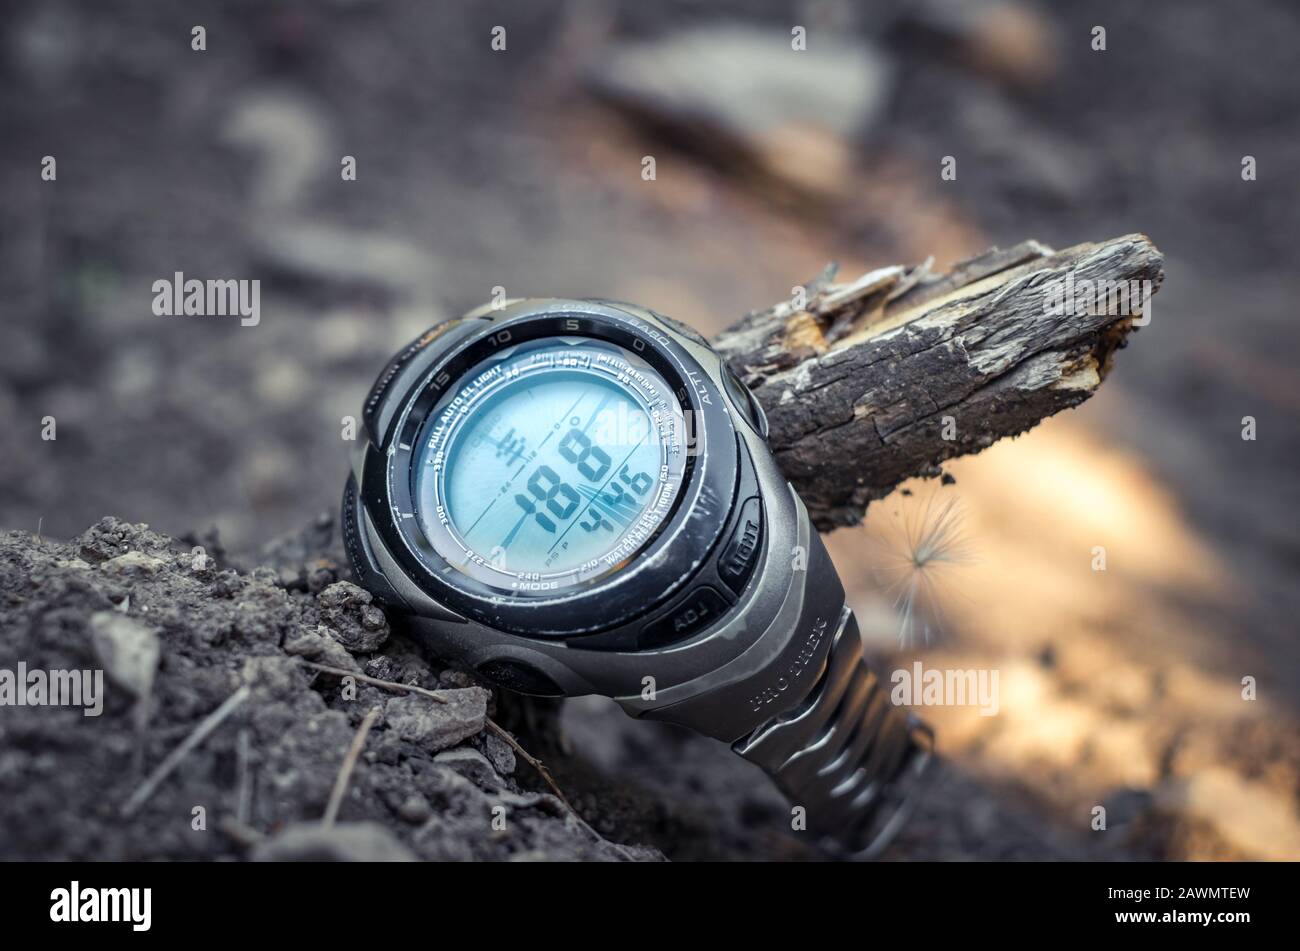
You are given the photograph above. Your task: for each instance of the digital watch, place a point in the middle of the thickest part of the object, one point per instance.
(571, 497)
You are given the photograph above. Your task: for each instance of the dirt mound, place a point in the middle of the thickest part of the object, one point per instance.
(193, 649)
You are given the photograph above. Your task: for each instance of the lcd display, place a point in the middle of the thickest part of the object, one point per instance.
(554, 462)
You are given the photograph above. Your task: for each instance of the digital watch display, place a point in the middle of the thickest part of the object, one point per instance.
(553, 464)
(576, 496)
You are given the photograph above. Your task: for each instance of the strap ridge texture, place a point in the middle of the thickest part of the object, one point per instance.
(846, 754)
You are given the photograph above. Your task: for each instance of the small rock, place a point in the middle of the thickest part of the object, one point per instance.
(345, 842)
(134, 563)
(335, 654)
(288, 134)
(799, 115)
(436, 726)
(322, 649)
(499, 753)
(351, 619)
(321, 253)
(128, 650)
(1007, 40)
(415, 808)
(471, 764)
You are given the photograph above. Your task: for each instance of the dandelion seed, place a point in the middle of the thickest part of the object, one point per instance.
(914, 555)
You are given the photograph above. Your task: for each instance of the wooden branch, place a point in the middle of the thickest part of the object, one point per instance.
(862, 381)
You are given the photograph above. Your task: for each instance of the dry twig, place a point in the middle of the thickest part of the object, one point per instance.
(187, 746)
(348, 764)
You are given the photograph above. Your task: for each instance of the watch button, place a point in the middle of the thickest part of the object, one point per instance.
(696, 611)
(520, 677)
(744, 401)
(741, 551)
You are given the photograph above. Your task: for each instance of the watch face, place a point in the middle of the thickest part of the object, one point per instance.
(549, 464)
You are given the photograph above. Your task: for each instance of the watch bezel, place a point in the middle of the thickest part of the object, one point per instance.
(658, 569)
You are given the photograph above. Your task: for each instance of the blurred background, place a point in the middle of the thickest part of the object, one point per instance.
(523, 169)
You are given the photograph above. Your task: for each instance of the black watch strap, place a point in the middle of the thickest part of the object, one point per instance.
(851, 758)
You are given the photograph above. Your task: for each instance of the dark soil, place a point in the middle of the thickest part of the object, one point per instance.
(430, 783)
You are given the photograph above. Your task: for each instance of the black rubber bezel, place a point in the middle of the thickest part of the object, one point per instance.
(661, 567)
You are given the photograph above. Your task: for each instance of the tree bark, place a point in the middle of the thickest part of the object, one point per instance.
(869, 383)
